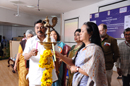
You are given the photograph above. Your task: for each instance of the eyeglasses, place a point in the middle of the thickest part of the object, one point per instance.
(127, 34)
(42, 27)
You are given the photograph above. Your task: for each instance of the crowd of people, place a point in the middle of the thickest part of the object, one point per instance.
(89, 62)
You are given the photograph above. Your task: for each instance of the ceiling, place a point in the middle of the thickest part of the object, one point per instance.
(47, 7)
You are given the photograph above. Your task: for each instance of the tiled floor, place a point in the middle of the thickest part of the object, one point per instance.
(115, 81)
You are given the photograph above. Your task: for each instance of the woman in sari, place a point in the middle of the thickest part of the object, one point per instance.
(73, 52)
(88, 65)
(20, 61)
(61, 69)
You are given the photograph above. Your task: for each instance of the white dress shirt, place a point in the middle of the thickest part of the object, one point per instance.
(35, 72)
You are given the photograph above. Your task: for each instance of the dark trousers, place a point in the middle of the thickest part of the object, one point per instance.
(126, 80)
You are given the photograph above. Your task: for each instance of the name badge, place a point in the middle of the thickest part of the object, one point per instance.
(107, 44)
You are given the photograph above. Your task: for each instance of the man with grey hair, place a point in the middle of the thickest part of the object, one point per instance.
(111, 51)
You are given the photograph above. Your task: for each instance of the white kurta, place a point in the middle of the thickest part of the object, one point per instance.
(35, 72)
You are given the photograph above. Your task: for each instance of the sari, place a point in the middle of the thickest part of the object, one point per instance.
(71, 54)
(63, 48)
(91, 60)
(22, 71)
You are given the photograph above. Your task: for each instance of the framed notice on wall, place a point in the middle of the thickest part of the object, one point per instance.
(70, 26)
(116, 20)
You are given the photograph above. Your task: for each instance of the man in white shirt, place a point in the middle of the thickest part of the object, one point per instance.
(32, 47)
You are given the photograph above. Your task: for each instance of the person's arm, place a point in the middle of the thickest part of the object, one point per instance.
(30, 54)
(57, 66)
(69, 61)
(28, 51)
(77, 69)
(17, 57)
(65, 59)
(27, 56)
(57, 60)
(115, 50)
(16, 61)
(68, 67)
(119, 71)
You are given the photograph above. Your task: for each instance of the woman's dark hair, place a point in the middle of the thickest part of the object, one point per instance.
(39, 21)
(77, 30)
(92, 29)
(58, 36)
(95, 37)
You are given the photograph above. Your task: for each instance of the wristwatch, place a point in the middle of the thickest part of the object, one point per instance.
(77, 69)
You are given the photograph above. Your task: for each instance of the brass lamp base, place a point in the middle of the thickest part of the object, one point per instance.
(47, 45)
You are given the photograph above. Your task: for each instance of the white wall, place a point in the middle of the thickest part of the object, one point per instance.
(6, 31)
(7, 15)
(18, 31)
(58, 25)
(9, 31)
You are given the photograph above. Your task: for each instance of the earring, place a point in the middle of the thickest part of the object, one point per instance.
(89, 39)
